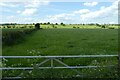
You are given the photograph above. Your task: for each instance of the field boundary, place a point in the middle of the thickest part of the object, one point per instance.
(57, 59)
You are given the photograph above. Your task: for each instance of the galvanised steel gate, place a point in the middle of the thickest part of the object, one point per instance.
(57, 59)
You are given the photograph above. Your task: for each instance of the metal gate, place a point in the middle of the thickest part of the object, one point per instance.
(57, 59)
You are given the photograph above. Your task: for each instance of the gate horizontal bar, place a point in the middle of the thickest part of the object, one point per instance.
(10, 78)
(30, 68)
(74, 56)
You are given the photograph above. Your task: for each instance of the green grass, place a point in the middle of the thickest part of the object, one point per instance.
(65, 42)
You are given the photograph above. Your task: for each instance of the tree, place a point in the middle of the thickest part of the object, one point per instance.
(98, 25)
(37, 26)
(48, 23)
(56, 23)
(103, 26)
(44, 23)
(62, 24)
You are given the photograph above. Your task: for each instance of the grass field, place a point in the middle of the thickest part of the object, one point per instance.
(65, 42)
(68, 41)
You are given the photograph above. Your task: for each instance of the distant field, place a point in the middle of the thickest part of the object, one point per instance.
(65, 42)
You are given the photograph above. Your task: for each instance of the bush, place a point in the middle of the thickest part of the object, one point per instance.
(74, 27)
(37, 26)
(53, 26)
(62, 24)
(111, 28)
(11, 37)
(98, 25)
(30, 26)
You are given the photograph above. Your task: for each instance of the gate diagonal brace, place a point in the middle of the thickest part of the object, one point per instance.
(37, 65)
(70, 67)
(52, 59)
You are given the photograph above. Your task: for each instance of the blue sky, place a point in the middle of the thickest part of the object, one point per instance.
(56, 12)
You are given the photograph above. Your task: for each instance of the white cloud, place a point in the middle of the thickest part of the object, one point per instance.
(83, 11)
(111, 22)
(90, 4)
(32, 6)
(18, 11)
(14, 19)
(11, 17)
(3, 4)
(36, 3)
(28, 12)
(101, 13)
(6, 4)
(64, 17)
(103, 7)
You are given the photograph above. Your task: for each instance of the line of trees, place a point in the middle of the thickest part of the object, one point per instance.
(48, 23)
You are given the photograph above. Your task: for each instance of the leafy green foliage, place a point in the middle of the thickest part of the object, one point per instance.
(10, 37)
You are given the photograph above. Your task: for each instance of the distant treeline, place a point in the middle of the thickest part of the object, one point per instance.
(5, 24)
(8, 24)
(54, 25)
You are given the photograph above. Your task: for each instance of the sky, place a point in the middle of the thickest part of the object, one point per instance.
(57, 12)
